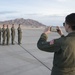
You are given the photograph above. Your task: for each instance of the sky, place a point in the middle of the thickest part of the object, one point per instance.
(48, 12)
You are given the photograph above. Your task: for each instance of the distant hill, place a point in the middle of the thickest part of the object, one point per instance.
(25, 22)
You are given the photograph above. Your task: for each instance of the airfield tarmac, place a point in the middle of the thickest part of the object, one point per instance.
(26, 59)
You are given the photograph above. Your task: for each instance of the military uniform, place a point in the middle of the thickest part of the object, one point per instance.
(3, 35)
(12, 35)
(64, 53)
(0, 35)
(19, 35)
(8, 35)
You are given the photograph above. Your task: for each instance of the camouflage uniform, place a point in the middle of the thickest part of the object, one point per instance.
(12, 35)
(3, 35)
(19, 35)
(64, 53)
(8, 35)
(0, 35)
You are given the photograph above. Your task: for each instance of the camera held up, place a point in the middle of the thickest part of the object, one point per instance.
(54, 29)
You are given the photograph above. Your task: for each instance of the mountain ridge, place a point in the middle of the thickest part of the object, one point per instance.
(24, 22)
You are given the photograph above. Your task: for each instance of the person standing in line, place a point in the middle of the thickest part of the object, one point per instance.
(3, 34)
(12, 34)
(7, 35)
(19, 34)
(63, 47)
(0, 34)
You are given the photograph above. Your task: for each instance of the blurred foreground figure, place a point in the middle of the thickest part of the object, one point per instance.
(19, 34)
(63, 47)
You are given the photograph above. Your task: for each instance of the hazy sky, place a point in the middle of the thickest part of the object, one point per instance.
(49, 12)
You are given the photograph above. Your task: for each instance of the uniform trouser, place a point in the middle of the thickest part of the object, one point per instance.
(0, 40)
(4, 40)
(8, 39)
(19, 39)
(12, 39)
(65, 71)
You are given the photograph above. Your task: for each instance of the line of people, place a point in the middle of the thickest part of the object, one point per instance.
(5, 34)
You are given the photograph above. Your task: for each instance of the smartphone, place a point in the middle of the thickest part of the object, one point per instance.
(53, 29)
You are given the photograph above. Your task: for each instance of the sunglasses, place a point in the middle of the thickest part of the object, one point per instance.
(63, 24)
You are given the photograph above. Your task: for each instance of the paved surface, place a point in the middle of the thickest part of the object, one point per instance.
(26, 59)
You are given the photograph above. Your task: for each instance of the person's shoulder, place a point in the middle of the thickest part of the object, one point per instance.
(60, 40)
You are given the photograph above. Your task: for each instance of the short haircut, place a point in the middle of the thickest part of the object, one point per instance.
(70, 20)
